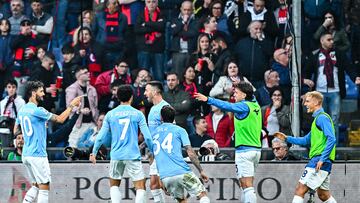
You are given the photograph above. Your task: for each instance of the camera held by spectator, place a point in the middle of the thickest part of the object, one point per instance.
(209, 151)
(83, 154)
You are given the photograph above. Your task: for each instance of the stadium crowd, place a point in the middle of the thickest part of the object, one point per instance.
(90, 48)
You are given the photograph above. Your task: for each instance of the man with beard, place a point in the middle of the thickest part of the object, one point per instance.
(220, 48)
(32, 120)
(153, 92)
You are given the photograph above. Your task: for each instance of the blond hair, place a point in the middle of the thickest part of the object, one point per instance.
(316, 95)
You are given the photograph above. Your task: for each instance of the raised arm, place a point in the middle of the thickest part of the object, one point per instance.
(64, 115)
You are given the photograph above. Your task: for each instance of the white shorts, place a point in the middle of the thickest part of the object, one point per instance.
(38, 169)
(179, 185)
(246, 163)
(315, 180)
(153, 169)
(134, 169)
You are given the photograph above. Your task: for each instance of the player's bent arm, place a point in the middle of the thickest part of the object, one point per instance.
(193, 157)
(16, 128)
(63, 116)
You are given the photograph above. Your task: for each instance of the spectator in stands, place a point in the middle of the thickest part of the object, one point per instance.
(276, 115)
(203, 60)
(9, 107)
(201, 8)
(18, 144)
(89, 104)
(119, 72)
(178, 99)
(87, 21)
(200, 135)
(184, 30)
(352, 22)
(281, 66)
(253, 54)
(281, 151)
(17, 8)
(224, 88)
(217, 11)
(208, 26)
(109, 30)
(258, 12)
(272, 79)
(89, 53)
(234, 9)
(142, 76)
(6, 54)
(327, 66)
(332, 25)
(220, 126)
(40, 53)
(223, 53)
(209, 151)
(24, 48)
(282, 18)
(69, 65)
(109, 102)
(150, 30)
(42, 22)
(188, 85)
(88, 138)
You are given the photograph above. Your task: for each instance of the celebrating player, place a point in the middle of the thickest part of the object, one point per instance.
(32, 120)
(176, 174)
(153, 92)
(122, 125)
(321, 140)
(248, 124)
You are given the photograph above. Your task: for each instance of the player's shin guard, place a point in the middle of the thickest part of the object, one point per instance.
(250, 196)
(158, 196)
(140, 196)
(31, 194)
(298, 199)
(43, 196)
(330, 200)
(115, 194)
(205, 199)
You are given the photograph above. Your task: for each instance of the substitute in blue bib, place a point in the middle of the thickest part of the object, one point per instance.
(321, 141)
(122, 124)
(175, 173)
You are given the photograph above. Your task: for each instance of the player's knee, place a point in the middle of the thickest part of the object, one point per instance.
(300, 190)
(323, 196)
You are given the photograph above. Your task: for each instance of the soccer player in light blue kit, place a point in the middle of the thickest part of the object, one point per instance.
(32, 120)
(176, 175)
(153, 92)
(122, 124)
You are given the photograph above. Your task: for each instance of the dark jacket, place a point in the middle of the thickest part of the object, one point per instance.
(159, 44)
(181, 102)
(342, 63)
(99, 31)
(223, 58)
(253, 57)
(283, 116)
(178, 32)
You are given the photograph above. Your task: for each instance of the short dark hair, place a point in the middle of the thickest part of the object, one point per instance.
(167, 114)
(116, 83)
(325, 33)
(49, 55)
(79, 68)
(31, 87)
(197, 119)
(124, 93)
(157, 85)
(67, 49)
(172, 73)
(246, 88)
(11, 82)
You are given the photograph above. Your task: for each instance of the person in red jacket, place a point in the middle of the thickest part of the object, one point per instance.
(220, 126)
(119, 72)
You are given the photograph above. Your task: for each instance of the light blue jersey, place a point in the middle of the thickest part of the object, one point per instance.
(168, 140)
(122, 124)
(32, 120)
(154, 117)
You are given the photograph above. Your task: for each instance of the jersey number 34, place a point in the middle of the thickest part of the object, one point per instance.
(166, 144)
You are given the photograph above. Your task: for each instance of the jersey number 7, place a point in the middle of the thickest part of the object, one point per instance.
(125, 122)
